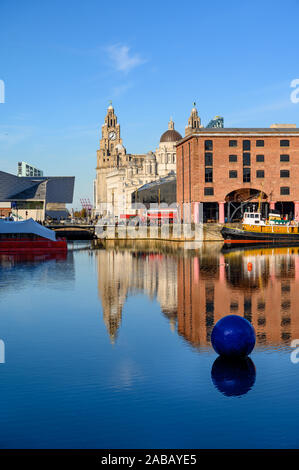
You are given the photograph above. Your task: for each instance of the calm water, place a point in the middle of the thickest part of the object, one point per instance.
(111, 349)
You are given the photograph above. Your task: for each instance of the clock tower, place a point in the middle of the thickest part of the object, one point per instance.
(107, 155)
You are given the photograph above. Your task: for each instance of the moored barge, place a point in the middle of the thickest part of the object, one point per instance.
(29, 236)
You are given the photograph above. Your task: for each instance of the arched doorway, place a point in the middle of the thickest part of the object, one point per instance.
(239, 200)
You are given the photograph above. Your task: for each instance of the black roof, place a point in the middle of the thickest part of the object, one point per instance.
(59, 189)
(258, 130)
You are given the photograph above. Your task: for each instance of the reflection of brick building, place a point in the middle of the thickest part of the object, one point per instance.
(195, 292)
(222, 166)
(267, 295)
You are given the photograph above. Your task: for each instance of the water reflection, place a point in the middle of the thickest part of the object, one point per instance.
(197, 288)
(23, 269)
(233, 377)
(261, 285)
(124, 273)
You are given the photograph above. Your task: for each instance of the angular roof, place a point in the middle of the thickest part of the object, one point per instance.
(26, 226)
(55, 189)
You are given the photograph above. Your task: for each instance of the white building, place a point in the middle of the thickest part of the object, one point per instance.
(119, 174)
(24, 169)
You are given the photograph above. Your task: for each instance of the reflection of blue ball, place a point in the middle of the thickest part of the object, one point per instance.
(233, 336)
(233, 376)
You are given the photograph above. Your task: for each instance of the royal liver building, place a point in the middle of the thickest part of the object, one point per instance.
(121, 174)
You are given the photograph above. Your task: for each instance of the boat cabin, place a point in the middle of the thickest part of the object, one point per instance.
(252, 218)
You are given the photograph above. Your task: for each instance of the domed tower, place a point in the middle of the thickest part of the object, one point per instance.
(194, 122)
(171, 135)
(166, 152)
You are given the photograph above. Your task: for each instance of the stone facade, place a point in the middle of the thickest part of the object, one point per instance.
(120, 174)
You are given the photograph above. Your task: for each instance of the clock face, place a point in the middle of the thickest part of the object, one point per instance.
(112, 135)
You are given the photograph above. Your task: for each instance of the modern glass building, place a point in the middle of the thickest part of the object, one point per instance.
(218, 121)
(24, 169)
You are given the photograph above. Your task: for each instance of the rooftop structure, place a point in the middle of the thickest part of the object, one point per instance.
(25, 169)
(217, 122)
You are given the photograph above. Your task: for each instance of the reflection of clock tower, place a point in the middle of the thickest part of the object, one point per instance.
(107, 154)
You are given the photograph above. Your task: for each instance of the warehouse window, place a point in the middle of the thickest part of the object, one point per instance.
(233, 158)
(284, 173)
(208, 159)
(284, 143)
(246, 144)
(208, 145)
(208, 191)
(246, 175)
(284, 158)
(233, 174)
(233, 143)
(260, 173)
(284, 190)
(260, 143)
(246, 159)
(208, 175)
(260, 158)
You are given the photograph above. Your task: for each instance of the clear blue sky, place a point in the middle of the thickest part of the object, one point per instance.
(62, 61)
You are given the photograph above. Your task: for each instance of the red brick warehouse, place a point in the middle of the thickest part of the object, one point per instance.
(224, 167)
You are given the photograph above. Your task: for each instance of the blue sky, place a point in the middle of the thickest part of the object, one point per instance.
(62, 61)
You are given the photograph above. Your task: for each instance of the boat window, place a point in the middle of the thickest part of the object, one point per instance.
(256, 216)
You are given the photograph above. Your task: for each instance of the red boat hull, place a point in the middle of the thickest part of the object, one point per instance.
(33, 246)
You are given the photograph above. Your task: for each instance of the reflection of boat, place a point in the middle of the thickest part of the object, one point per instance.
(15, 258)
(255, 229)
(28, 237)
(265, 248)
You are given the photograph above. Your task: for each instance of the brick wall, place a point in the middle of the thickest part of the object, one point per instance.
(191, 167)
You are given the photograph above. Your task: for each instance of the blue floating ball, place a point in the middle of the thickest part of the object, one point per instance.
(233, 336)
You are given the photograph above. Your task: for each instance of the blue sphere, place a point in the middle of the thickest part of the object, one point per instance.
(233, 336)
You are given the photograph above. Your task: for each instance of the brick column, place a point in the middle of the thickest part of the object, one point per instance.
(221, 212)
(296, 204)
(196, 269)
(222, 268)
(272, 205)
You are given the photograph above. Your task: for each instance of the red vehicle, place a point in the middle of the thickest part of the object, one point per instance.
(159, 216)
(151, 216)
(29, 237)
